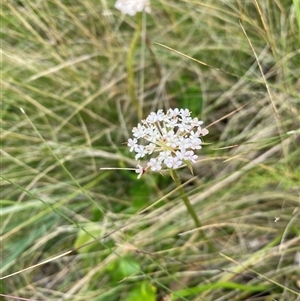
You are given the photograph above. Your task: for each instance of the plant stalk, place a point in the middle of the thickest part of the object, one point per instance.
(190, 209)
(130, 68)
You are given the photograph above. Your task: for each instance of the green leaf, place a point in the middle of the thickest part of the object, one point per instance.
(123, 268)
(143, 291)
(87, 236)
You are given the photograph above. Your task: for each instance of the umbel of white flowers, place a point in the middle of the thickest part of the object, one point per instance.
(174, 135)
(131, 7)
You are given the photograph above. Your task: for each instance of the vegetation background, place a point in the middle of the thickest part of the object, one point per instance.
(72, 232)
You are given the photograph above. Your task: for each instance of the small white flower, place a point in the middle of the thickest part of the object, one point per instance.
(164, 155)
(173, 162)
(170, 123)
(131, 7)
(132, 144)
(140, 151)
(196, 123)
(184, 142)
(195, 143)
(169, 161)
(174, 135)
(185, 113)
(184, 127)
(190, 156)
(138, 131)
(154, 117)
(173, 113)
(160, 115)
(202, 132)
(154, 164)
(171, 139)
(150, 148)
(186, 155)
(176, 162)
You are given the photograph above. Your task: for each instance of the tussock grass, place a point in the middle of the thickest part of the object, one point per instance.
(72, 232)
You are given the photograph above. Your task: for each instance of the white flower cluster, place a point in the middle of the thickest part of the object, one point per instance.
(131, 7)
(174, 135)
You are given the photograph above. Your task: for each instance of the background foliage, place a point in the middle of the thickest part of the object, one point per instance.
(106, 235)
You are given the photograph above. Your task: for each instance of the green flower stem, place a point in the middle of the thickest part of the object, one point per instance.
(190, 209)
(130, 69)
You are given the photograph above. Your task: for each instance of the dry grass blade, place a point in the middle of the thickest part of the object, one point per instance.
(73, 228)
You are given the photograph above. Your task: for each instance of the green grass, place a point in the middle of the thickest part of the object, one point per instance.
(71, 231)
